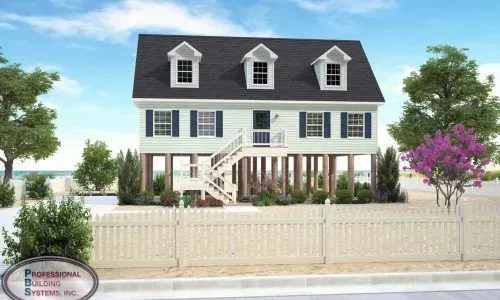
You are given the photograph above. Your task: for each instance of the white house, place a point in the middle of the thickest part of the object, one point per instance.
(237, 99)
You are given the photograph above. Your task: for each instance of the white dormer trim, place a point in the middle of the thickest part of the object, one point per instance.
(334, 55)
(184, 51)
(255, 55)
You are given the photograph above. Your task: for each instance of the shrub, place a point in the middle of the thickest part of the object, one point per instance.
(264, 201)
(342, 182)
(37, 186)
(169, 197)
(343, 197)
(209, 202)
(6, 194)
(265, 187)
(248, 198)
(97, 171)
(380, 197)
(388, 173)
(364, 196)
(129, 177)
(145, 198)
(159, 183)
(298, 196)
(403, 196)
(491, 175)
(188, 200)
(50, 228)
(284, 200)
(319, 197)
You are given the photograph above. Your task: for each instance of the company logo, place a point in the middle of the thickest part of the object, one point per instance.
(50, 277)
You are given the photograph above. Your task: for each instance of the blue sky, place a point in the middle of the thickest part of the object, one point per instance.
(92, 45)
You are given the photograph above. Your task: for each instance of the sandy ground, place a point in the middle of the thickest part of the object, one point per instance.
(305, 269)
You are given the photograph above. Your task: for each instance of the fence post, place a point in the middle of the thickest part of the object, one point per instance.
(180, 229)
(461, 229)
(326, 209)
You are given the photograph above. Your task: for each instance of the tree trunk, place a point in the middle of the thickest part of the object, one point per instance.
(437, 197)
(9, 166)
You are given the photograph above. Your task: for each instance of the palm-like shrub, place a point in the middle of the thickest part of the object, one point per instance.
(37, 186)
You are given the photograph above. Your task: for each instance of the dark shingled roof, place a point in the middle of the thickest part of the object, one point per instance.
(222, 74)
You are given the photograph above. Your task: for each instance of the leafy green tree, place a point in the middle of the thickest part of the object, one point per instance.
(27, 130)
(98, 169)
(59, 228)
(388, 174)
(7, 194)
(129, 178)
(445, 92)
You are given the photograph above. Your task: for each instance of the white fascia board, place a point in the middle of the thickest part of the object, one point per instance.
(273, 56)
(173, 52)
(167, 100)
(346, 57)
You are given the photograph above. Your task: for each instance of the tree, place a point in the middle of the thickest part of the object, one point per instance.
(98, 169)
(129, 177)
(445, 92)
(388, 174)
(450, 163)
(27, 130)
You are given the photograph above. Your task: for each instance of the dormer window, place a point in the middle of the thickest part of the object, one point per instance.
(184, 66)
(259, 72)
(184, 71)
(331, 69)
(259, 67)
(333, 74)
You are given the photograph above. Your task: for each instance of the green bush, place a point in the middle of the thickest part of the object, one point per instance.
(159, 183)
(364, 196)
(264, 201)
(37, 187)
(491, 175)
(319, 197)
(342, 182)
(188, 200)
(6, 194)
(343, 197)
(129, 177)
(50, 228)
(298, 196)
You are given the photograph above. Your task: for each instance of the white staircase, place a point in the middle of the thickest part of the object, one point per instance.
(247, 143)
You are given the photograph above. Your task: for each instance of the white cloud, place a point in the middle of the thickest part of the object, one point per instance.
(70, 4)
(103, 94)
(67, 86)
(4, 25)
(488, 69)
(116, 22)
(391, 84)
(348, 6)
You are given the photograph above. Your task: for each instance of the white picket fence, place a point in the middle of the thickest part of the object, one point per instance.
(300, 234)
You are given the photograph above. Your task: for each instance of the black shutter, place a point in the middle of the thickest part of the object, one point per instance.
(302, 124)
(175, 123)
(194, 123)
(343, 125)
(149, 122)
(326, 124)
(368, 125)
(218, 123)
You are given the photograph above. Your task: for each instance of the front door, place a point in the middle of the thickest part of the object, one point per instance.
(261, 126)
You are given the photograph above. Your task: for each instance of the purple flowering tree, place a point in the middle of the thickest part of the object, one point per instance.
(449, 162)
(266, 186)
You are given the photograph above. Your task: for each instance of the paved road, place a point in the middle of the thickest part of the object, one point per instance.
(489, 189)
(458, 295)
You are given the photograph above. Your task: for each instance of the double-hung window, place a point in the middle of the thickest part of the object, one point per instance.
(162, 123)
(259, 72)
(206, 123)
(355, 125)
(184, 71)
(314, 124)
(333, 74)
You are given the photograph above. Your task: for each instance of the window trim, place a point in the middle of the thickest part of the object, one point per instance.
(171, 123)
(267, 73)
(177, 72)
(322, 124)
(198, 124)
(339, 74)
(363, 130)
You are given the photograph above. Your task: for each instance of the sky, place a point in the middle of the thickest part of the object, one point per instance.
(92, 44)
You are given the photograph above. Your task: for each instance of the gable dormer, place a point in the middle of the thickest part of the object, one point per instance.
(331, 69)
(184, 66)
(259, 67)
